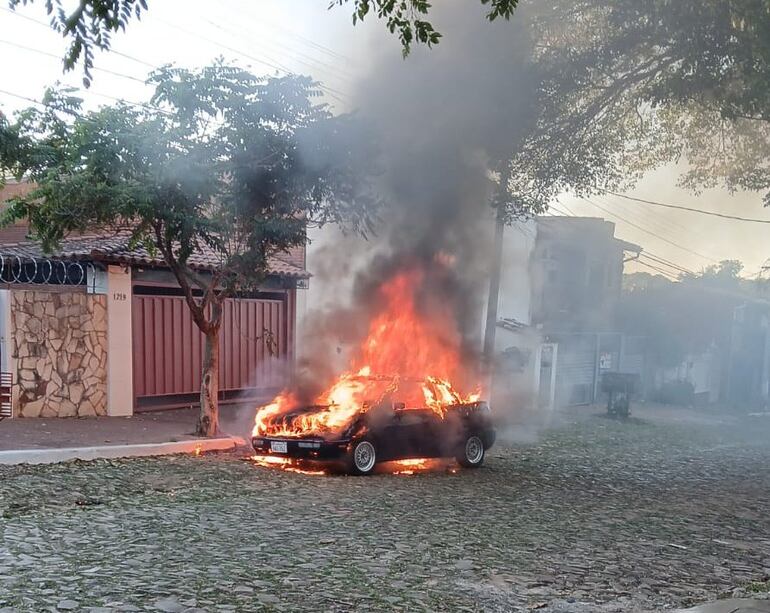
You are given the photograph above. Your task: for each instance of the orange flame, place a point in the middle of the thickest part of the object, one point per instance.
(406, 354)
(286, 464)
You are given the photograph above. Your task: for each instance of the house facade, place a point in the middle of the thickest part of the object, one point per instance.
(102, 328)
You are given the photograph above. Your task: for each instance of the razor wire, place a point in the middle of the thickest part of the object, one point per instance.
(15, 269)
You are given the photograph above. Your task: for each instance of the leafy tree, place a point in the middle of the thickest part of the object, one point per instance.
(633, 84)
(92, 23)
(405, 17)
(683, 317)
(219, 160)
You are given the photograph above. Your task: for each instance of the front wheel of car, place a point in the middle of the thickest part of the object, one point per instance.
(471, 454)
(363, 457)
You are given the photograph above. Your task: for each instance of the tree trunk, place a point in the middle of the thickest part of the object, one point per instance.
(208, 419)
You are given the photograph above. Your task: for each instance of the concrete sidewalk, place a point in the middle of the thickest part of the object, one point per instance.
(157, 433)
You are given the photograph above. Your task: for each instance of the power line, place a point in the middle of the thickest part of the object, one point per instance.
(565, 207)
(27, 98)
(330, 91)
(53, 55)
(687, 208)
(649, 223)
(666, 274)
(663, 262)
(649, 254)
(109, 97)
(558, 210)
(644, 216)
(47, 26)
(637, 226)
(298, 56)
(659, 260)
(331, 52)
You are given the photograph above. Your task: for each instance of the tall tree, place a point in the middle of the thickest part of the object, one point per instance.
(219, 160)
(633, 84)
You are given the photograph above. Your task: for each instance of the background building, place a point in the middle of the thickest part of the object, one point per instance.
(560, 287)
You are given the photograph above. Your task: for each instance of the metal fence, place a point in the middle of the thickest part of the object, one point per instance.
(584, 357)
(15, 269)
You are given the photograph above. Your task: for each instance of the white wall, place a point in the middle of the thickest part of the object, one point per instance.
(515, 283)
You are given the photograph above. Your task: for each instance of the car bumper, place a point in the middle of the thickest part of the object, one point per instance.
(302, 449)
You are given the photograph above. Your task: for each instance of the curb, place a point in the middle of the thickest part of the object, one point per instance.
(54, 456)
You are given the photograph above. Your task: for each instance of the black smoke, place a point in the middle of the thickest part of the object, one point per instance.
(446, 118)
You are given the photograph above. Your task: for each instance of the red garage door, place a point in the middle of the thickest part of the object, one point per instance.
(256, 343)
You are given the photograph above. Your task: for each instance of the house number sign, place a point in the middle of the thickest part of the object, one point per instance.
(119, 296)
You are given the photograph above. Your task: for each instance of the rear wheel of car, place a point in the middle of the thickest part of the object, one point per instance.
(363, 457)
(471, 454)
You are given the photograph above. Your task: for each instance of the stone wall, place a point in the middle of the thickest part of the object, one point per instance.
(59, 342)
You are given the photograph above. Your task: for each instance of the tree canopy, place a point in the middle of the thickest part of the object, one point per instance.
(625, 86)
(633, 84)
(684, 317)
(219, 160)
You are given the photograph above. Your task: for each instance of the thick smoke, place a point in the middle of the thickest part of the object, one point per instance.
(445, 118)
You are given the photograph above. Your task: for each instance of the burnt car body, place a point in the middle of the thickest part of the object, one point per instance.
(391, 432)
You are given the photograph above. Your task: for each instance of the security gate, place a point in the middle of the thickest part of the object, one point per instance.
(576, 370)
(6, 382)
(255, 347)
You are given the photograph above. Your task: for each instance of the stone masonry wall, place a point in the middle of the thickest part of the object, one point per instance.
(59, 341)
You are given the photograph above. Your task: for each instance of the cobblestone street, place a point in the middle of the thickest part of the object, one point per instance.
(595, 515)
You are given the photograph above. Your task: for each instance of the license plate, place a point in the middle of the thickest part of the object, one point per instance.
(278, 447)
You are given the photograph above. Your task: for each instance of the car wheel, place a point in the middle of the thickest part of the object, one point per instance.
(471, 455)
(363, 457)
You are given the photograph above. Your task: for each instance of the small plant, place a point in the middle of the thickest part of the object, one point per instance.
(759, 587)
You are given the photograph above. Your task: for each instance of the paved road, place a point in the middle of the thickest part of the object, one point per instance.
(593, 515)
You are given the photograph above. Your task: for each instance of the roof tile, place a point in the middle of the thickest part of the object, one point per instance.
(115, 248)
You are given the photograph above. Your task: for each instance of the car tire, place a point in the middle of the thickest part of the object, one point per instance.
(471, 452)
(363, 457)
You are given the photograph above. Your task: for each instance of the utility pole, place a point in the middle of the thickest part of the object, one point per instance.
(494, 290)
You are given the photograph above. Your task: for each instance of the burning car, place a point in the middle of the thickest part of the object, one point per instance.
(357, 436)
(396, 401)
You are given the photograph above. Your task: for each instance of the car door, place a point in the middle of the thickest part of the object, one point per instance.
(384, 426)
(410, 435)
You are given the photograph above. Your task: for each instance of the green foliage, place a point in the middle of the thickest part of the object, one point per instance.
(687, 316)
(90, 24)
(406, 18)
(633, 84)
(219, 160)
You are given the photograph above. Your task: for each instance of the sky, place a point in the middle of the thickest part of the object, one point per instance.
(304, 36)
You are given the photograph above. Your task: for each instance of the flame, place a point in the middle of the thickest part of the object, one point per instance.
(286, 464)
(407, 355)
(413, 466)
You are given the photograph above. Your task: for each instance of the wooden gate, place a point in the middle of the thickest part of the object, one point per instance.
(256, 347)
